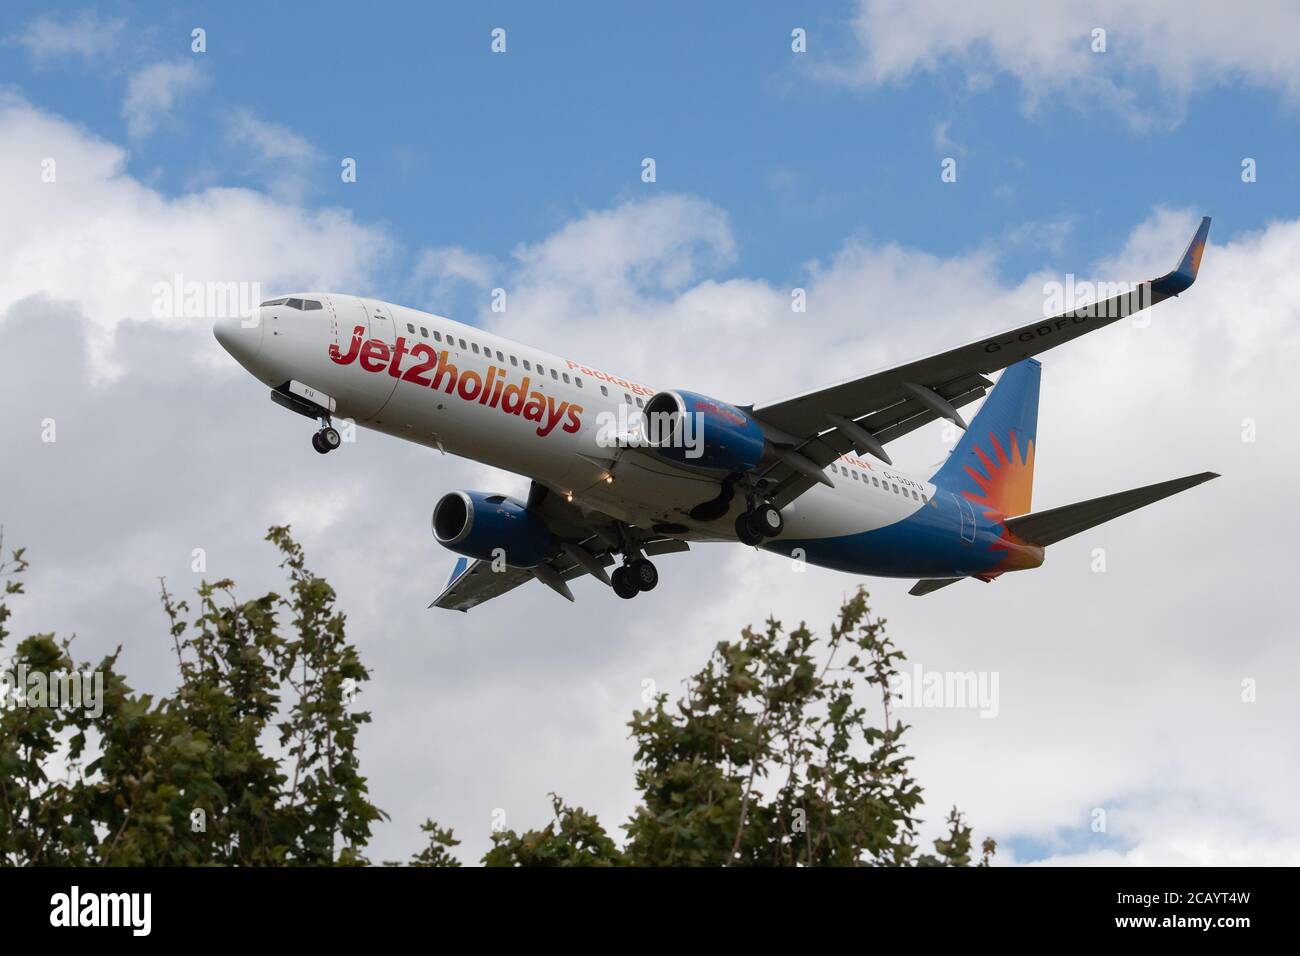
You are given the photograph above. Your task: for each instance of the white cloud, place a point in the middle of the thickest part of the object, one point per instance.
(85, 35)
(439, 268)
(267, 142)
(1118, 690)
(284, 158)
(101, 238)
(655, 247)
(1158, 52)
(153, 92)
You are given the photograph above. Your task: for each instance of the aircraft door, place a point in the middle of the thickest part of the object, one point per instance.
(381, 321)
(383, 328)
(967, 518)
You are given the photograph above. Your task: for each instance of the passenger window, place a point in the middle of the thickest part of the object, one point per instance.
(311, 304)
(577, 381)
(554, 375)
(604, 391)
(476, 348)
(500, 357)
(514, 361)
(855, 476)
(895, 489)
(463, 345)
(627, 398)
(875, 482)
(640, 404)
(294, 304)
(566, 378)
(437, 336)
(410, 328)
(915, 496)
(424, 332)
(925, 500)
(527, 367)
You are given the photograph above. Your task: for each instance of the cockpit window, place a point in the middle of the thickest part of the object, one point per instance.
(274, 302)
(294, 304)
(310, 304)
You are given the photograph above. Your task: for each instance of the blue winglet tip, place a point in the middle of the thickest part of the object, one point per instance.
(1181, 279)
(461, 564)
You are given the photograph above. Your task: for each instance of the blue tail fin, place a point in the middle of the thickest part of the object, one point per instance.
(993, 464)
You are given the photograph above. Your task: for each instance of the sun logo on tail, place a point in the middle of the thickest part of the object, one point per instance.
(1007, 485)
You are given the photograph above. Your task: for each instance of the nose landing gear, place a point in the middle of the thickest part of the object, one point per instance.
(327, 439)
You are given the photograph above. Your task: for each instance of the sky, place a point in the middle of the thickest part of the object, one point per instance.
(1120, 690)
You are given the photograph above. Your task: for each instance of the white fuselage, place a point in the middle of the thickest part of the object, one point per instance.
(468, 392)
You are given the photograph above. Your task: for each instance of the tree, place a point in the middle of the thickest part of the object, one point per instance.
(769, 760)
(188, 779)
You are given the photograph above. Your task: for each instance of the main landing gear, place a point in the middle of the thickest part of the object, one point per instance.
(327, 439)
(632, 578)
(759, 522)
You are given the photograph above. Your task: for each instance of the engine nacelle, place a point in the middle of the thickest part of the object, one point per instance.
(482, 525)
(701, 432)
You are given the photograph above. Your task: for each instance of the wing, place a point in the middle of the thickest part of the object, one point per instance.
(863, 414)
(588, 543)
(473, 582)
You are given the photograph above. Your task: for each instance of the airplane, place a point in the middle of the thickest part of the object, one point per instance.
(622, 472)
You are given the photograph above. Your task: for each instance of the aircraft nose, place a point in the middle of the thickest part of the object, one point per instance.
(241, 336)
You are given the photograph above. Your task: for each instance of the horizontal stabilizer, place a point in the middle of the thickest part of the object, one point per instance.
(1048, 527)
(926, 585)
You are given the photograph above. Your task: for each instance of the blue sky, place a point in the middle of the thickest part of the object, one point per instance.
(458, 146)
(774, 170)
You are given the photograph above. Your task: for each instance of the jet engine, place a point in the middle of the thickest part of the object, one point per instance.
(485, 526)
(701, 432)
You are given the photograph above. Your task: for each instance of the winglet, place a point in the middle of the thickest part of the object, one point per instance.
(1181, 279)
(461, 564)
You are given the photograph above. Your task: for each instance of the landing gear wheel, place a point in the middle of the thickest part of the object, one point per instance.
(624, 586)
(644, 574)
(745, 531)
(326, 440)
(767, 521)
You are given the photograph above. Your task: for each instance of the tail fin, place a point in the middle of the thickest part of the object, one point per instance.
(993, 464)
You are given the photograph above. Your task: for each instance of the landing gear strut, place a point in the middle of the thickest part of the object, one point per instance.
(327, 439)
(634, 577)
(761, 521)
